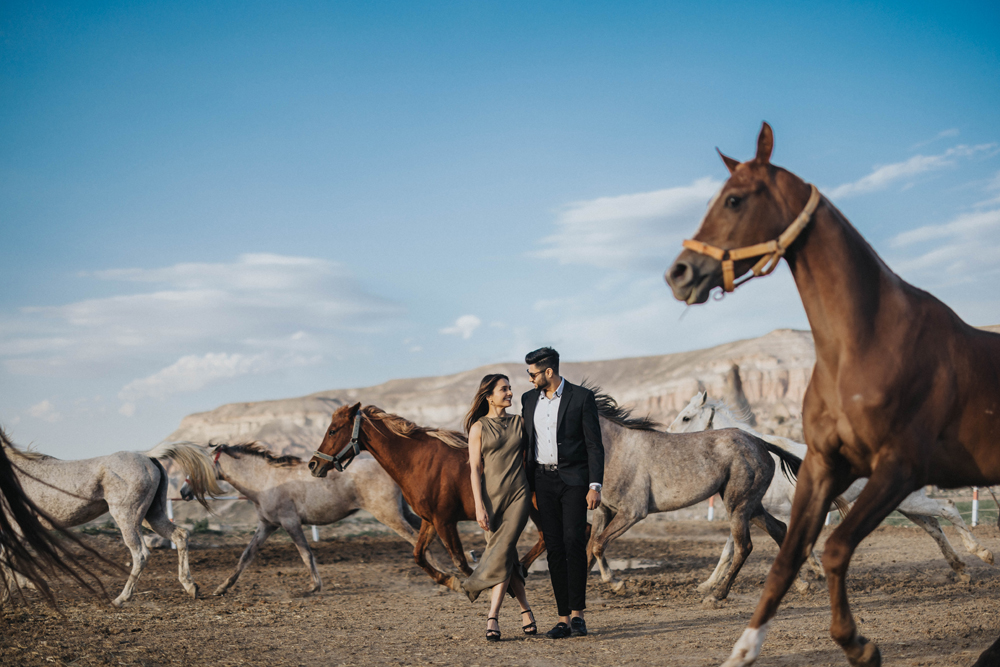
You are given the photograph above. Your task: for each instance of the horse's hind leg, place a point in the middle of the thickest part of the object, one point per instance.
(424, 538)
(949, 512)
(391, 511)
(293, 526)
(724, 560)
(777, 530)
(739, 528)
(264, 531)
(129, 527)
(158, 522)
(933, 528)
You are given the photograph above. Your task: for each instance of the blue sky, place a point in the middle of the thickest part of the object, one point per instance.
(203, 203)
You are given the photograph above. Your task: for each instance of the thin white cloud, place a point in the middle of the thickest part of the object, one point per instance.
(632, 231)
(191, 373)
(261, 301)
(944, 134)
(45, 411)
(963, 250)
(883, 176)
(464, 326)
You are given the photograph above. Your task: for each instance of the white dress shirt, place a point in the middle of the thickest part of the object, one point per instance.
(546, 421)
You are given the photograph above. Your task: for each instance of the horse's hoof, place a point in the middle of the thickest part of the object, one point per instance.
(803, 586)
(221, 590)
(618, 586)
(712, 602)
(117, 603)
(454, 584)
(864, 654)
(986, 556)
(963, 578)
(193, 591)
(703, 588)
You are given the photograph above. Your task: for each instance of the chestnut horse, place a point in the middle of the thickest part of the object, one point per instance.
(430, 466)
(903, 391)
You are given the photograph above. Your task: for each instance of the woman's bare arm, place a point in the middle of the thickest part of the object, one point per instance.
(476, 464)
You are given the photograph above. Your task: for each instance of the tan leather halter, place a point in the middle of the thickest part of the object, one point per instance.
(772, 250)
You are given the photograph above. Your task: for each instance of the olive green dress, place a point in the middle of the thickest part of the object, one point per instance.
(507, 500)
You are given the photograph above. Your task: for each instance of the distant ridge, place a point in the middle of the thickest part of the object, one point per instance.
(774, 369)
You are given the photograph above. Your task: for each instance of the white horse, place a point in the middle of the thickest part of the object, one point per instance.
(132, 486)
(286, 495)
(703, 413)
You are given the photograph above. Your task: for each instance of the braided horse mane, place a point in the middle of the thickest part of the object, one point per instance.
(407, 429)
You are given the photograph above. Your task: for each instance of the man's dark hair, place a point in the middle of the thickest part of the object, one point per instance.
(543, 357)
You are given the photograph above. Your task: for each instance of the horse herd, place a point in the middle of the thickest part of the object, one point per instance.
(903, 395)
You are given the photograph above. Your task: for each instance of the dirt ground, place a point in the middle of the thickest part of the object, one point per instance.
(377, 607)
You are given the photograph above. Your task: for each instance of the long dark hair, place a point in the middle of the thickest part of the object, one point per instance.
(479, 404)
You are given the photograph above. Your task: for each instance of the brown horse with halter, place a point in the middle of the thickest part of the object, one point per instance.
(903, 391)
(430, 466)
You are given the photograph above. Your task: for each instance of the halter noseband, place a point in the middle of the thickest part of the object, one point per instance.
(770, 252)
(353, 448)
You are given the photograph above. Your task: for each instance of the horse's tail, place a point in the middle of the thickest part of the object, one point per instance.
(842, 506)
(790, 463)
(196, 465)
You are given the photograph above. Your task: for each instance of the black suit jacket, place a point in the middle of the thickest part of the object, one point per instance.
(578, 436)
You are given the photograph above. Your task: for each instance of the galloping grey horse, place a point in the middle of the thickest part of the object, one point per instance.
(132, 486)
(286, 495)
(648, 471)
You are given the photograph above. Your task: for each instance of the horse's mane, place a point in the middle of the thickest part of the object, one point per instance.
(404, 428)
(23, 453)
(260, 451)
(742, 415)
(608, 408)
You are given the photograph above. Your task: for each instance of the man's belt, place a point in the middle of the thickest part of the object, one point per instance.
(549, 467)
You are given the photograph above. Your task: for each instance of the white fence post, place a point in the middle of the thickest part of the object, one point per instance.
(315, 534)
(170, 515)
(711, 508)
(975, 506)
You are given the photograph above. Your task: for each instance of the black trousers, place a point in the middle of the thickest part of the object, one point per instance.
(563, 510)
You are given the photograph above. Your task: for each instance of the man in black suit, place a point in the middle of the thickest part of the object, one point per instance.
(565, 466)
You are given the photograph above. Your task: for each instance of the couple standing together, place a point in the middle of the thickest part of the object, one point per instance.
(555, 451)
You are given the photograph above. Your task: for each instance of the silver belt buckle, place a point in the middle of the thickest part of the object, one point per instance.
(550, 467)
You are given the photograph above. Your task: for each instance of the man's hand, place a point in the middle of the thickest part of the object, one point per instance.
(593, 499)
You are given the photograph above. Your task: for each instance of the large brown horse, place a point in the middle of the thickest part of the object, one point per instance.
(430, 466)
(903, 391)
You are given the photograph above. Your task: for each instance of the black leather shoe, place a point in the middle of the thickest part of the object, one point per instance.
(578, 626)
(561, 630)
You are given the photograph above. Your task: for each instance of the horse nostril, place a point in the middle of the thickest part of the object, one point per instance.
(312, 466)
(680, 274)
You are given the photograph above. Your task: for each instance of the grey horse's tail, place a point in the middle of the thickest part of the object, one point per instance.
(196, 465)
(790, 463)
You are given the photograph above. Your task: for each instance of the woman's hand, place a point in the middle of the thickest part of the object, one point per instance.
(482, 518)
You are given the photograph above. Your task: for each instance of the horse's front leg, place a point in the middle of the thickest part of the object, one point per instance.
(448, 532)
(818, 484)
(293, 526)
(424, 538)
(947, 510)
(887, 487)
(264, 531)
(621, 522)
(933, 528)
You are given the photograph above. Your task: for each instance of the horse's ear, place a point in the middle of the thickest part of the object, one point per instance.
(765, 143)
(354, 408)
(704, 397)
(731, 164)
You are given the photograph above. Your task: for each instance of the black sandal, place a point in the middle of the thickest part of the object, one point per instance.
(493, 635)
(530, 628)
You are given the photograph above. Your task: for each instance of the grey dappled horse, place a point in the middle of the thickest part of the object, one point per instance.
(648, 471)
(286, 495)
(132, 486)
(703, 413)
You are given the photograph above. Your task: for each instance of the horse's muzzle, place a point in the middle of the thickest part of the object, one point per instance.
(691, 277)
(318, 468)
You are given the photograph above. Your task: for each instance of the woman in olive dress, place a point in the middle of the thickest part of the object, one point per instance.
(500, 487)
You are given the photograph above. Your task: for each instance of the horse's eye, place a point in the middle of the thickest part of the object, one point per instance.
(687, 419)
(732, 201)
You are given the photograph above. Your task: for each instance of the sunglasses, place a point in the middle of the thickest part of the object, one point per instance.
(534, 375)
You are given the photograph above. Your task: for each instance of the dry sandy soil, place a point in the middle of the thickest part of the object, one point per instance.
(378, 608)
